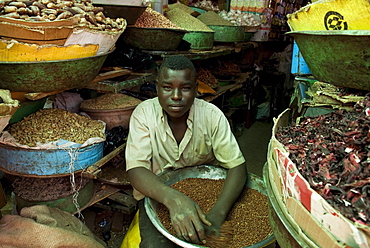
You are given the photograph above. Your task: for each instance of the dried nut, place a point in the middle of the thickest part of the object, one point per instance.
(39, 5)
(56, 124)
(22, 11)
(17, 4)
(52, 17)
(49, 11)
(14, 15)
(10, 9)
(64, 15)
(78, 10)
(52, 6)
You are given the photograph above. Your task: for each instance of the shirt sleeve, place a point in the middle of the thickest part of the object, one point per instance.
(138, 147)
(225, 146)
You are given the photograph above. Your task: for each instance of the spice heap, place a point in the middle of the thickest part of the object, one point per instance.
(48, 10)
(187, 21)
(181, 6)
(46, 189)
(332, 152)
(206, 77)
(48, 125)
(248, 218)
(153, 19)
(212, 18)
(110, 101)
(224, 69)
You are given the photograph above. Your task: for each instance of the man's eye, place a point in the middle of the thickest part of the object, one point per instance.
(166, 87)
(186, 88)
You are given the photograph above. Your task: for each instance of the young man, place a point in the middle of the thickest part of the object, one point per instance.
(175, 130)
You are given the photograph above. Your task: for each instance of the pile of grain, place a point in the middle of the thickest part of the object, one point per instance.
(110, 101)
(153, 19)
(206, 77)
(212, 18)
(187, 21)
(248, 218)
(48, 125)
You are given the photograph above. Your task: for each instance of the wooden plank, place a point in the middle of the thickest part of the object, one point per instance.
(231, 87)
(102, 191)
(102, 76)
(110, 74)
(123, 199)
(216, 51)
(96, 166)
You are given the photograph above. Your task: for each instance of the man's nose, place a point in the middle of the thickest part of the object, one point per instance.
(176, 94)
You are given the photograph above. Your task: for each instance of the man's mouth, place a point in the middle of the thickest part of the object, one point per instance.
(175, 107)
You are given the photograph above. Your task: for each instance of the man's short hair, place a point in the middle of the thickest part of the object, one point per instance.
(177, 62)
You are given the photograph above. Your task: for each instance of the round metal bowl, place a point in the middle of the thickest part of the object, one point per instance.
(112, 117)
(159, 39)
(225, 33)
(22, 161)
(339, 57)
(85, 194)
(200, 40)
(170, 177)
(46, 76)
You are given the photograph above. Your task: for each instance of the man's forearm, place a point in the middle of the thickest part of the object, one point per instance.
(147, 183)
(233, 186)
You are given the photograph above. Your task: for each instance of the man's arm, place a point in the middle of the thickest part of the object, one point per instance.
(186, 216)
(233, 186)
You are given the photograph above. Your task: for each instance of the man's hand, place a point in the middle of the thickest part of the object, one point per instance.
(187, 219)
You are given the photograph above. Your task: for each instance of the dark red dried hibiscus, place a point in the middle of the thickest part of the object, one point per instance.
(332, 152)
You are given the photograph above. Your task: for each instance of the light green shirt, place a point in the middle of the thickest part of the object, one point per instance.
(207, 140)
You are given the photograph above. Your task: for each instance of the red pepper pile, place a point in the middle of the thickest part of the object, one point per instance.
(332, 152)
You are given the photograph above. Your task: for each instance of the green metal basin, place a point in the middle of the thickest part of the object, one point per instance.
(158, 39)
(225, 33)
(339, 57)
(200, 40)
(46, 76)
(248, 35)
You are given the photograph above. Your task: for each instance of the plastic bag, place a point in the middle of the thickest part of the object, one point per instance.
(132, 238)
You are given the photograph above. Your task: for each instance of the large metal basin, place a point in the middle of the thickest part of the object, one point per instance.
(159, 39)
(46, 76)
(225, 33)
(200, 40)
(48, 162)
(170, 177)
(339, 57)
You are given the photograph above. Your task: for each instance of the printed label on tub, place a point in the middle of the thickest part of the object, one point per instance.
(294, 185)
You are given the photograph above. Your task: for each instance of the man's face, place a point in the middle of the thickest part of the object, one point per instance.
(176, 91)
